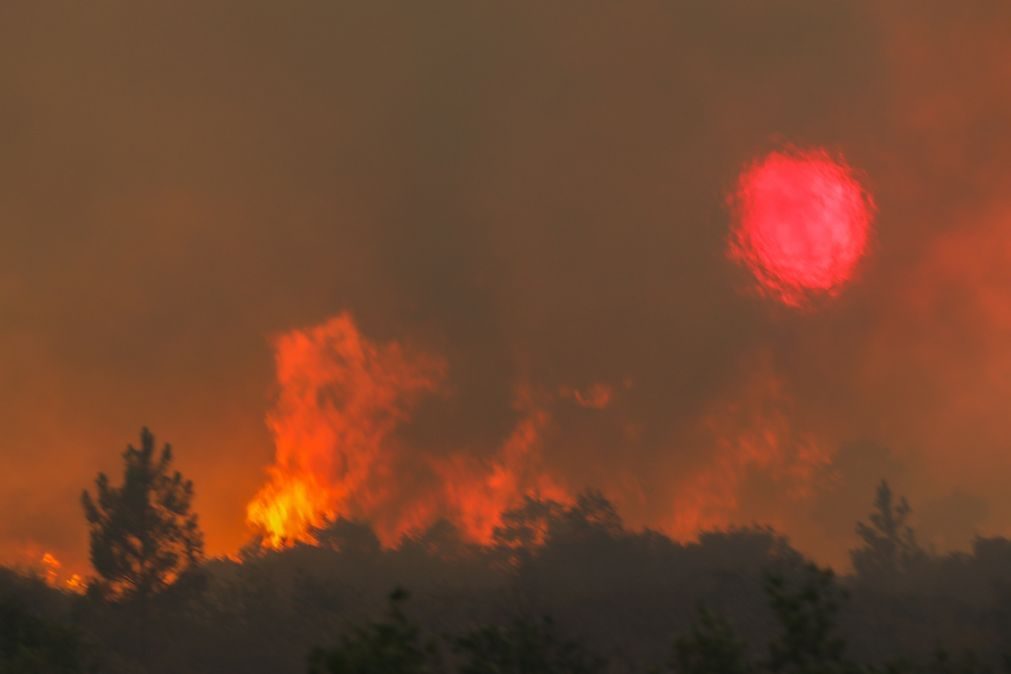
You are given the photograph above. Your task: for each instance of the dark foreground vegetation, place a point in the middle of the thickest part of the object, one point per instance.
(590, 596)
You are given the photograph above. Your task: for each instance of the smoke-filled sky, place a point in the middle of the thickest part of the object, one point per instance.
(527, 205)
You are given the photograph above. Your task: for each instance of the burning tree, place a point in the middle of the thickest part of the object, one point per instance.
(143, 534)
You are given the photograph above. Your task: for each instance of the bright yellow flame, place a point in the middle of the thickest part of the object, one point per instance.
(287, 509)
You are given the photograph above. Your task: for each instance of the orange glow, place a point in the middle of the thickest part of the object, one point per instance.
(53, 575)
(596, 396)
(753, 437)
(51, 565)
(478, 494)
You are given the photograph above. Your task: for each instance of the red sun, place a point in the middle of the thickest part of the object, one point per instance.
(801, 224)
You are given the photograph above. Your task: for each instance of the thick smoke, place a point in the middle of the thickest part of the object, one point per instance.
(532, 194)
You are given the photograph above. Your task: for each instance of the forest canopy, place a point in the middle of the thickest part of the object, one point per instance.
(562, 588)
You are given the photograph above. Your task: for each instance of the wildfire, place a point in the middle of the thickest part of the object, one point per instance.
(52, 574)
(478, 493)
(341, 398)
(52, 567)
(338, 454)
(753, 436)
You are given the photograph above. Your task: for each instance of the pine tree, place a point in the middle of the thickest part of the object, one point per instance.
(143, 534)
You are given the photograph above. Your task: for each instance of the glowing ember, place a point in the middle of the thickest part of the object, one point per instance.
(802, 224)
(52, 567)
(53, 575)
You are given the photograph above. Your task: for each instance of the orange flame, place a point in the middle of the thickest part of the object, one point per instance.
(75, 583)
(52, 574)
(480, 493)
(51, 565)
(341, 397)
(753, 435)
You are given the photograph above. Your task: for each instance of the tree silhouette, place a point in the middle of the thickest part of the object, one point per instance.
(808, 643)
(889, 542)
(348, 537)
(966, 663)
(523, 647)
(528, 526)
(143, 534)
(29, 644)
(711, 648)
(391, 646)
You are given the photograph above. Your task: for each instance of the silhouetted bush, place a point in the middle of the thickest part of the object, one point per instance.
(618, 596)
(31, 645)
